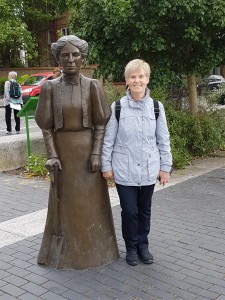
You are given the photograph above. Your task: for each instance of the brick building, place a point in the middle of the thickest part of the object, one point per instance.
(48, 35)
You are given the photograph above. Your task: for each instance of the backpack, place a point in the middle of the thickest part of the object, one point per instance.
(118, 108)
(14, 90)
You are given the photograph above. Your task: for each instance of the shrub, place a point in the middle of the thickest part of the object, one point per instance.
(112, 93)
(22, 78)
(216, 96)
(2, 84)
(36, 165)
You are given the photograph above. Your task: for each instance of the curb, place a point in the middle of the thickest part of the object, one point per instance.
(14, 150)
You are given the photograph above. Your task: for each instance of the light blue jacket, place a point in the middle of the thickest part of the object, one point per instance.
(139, 147)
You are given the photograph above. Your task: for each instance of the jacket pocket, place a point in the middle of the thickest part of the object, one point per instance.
(153, 165)
(120, 164)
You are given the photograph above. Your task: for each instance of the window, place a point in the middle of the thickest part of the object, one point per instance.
(65, 31)
(50, 37)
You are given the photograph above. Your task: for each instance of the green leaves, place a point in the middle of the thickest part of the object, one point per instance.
(189, 34)
(20, 25)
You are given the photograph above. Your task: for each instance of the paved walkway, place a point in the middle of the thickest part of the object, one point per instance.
(187, 240)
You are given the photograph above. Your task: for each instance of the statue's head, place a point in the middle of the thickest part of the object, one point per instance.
(70, 51)
(69, 39)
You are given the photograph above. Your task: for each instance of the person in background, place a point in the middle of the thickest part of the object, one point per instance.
(136, 153)
(56, 73)
(16, 103)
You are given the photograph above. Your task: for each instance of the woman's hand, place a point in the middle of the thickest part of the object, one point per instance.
(163, 177)
(108, 175)
(94, 163)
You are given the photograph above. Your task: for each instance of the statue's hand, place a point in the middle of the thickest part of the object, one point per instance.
(53, 165)
(94, 163)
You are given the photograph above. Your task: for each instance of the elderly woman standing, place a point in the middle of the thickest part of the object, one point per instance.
(8, 101)
(136, 151)
(72, 113)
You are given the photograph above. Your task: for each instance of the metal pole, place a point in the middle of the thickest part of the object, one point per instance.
(28, 134)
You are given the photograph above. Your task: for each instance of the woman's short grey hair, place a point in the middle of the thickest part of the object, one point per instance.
(12, 75)
(137, 65)
(72, 39)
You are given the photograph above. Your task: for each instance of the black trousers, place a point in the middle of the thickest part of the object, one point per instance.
(8, 112)
(136, 205)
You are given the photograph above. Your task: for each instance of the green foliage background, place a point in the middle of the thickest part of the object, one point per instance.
(180, 37)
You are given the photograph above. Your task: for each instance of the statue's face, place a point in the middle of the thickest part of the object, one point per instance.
(70, 59)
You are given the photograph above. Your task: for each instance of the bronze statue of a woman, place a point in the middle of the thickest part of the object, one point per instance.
(72, 112)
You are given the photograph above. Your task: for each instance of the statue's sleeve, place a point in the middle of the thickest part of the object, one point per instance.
(44, 119)
(101, 113)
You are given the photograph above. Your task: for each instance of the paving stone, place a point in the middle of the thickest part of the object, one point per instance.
(118, 295)
(20, 263)
(34, 289)
(190, 273)
(208, 272)
(95, 275)
(12, 290)
(8, 251)
(22, 256)
(200, 283)
(114, 274)
(2, 282)
(96, 285)
(18, 271)
(4, 274)
(182, 293)
(54, 287)
(203, 293)
(156, 294)
(209, 265)
(28, 296)
(221, 297)
(172, 266)
(77, 287)
(92, 294)
(174, 274)
(71, 295)
(52, 296)
(133, 273)
(39, 280)
(6, 297)
(217, 289)
(6, 257)
(15, 280)
(188, 265)
(56, 276)
(154, 283)
(214, 281)
(4, 265)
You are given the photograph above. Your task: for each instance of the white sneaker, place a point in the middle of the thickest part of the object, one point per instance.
(8, 132)
(18, 132)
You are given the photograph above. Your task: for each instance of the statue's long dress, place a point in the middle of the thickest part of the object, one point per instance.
(85, 218)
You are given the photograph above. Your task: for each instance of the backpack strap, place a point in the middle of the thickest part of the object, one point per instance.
(156, 109)
(118, 109)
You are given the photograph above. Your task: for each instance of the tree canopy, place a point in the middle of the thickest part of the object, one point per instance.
(188, 36)
(185, 37)
(20, 23)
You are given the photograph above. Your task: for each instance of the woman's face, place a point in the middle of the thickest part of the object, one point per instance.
(137, 82)
(70, 59)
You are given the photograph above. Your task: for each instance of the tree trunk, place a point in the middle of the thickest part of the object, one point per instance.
(192, 91)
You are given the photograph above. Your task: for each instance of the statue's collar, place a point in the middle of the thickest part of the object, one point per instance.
(71, 79)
